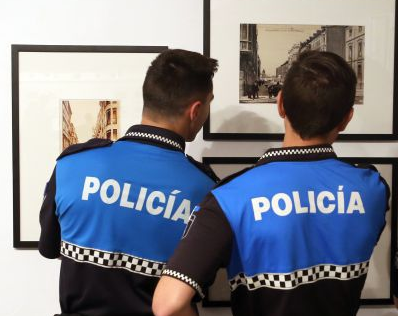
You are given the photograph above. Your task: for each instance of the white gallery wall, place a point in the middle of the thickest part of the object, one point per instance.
(29, 283)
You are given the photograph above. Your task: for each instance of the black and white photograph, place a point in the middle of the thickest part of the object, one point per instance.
(256, 45)
(86, 119)
(268, 50)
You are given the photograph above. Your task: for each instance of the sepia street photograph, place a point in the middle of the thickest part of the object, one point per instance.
(86, 119)
(268, 50)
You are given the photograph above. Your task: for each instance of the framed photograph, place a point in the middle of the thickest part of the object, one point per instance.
(85, 119)
(258, 42)
(377, 289)
(62, 95)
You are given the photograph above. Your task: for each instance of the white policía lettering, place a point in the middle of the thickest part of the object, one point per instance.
(170, 204)
(115, 191)
(141, 198)
(91, 185)
(260, 205)
(311, 200)
(125, 196)
(153, 202)
(324, 202)
(321, 202)
(150, 202)
(276, 205)
(355, 204)
(297, 204)
(183, 212)
(340, 200)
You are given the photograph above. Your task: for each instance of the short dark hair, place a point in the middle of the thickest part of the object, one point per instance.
(318, 92)
(175, 78)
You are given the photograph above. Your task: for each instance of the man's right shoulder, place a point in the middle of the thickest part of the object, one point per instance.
(90, 144)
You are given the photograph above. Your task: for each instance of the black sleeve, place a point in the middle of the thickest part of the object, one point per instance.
(394, 275)
(50, 237)
(205, 247)
(388, 195)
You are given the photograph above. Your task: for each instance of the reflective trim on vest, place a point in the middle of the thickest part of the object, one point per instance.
(112, 259)
(288, 281)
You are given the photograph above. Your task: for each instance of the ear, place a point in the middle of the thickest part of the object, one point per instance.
(342, 126)
(279, 102)
(193, 110)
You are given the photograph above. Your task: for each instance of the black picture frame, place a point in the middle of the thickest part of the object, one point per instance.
(16, 49)
(249, 161)
(210, 135)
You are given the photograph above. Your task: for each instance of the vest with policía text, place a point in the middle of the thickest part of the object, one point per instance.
(122, 208)
(304, 224)
(117, 201)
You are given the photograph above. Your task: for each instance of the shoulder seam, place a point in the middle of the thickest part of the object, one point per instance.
(229, 178)
(90, 144)
(207, 170)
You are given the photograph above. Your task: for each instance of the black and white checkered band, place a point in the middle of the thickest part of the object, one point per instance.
(281, 152)
(185, 279)
(112, 259)
(288, 281)
(156, 137)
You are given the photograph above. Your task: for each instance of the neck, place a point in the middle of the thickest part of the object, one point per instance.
(175, 127)
(292, 139)
(297, 141)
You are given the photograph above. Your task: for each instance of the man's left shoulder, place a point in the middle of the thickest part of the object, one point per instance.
(207, 170)
(90, 144)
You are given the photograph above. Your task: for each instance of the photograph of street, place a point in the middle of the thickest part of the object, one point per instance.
(268, 50)
(86, 119)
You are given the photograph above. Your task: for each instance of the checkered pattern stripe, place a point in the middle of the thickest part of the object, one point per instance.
(156, 137)
(112, 259)
(185, 279)
(296, 151)
(288, 281)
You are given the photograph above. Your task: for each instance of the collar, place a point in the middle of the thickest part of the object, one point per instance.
(303, 153)
(155, 136)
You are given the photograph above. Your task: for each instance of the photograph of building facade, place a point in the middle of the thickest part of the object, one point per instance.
(250, 64)
(278, 46)
(69, 136)
(354, 55)
(86, 119)
(107, 124)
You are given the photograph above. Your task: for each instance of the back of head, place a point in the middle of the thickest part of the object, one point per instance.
(175, 79)
(318, 93)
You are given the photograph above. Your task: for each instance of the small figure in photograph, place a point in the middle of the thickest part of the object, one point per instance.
(255, 89)
(297, 230)
(274, 89)
(114, 211)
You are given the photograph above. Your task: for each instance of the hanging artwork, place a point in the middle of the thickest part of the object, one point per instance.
(64, 95)
(258, 42)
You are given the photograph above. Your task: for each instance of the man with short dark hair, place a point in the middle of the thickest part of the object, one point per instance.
(115, 211)
(297, 230)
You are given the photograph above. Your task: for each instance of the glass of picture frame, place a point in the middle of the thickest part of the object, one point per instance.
(62, 95)
(257, 42)
(377, 289)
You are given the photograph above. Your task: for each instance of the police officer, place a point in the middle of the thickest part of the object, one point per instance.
(297, 230)
(114, 211)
